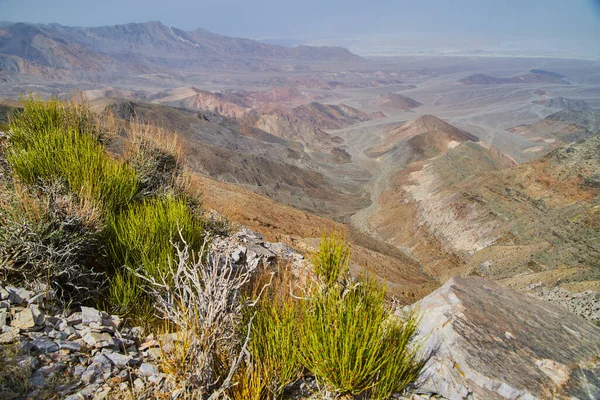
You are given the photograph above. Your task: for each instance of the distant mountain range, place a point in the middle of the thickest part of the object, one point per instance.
(140, 48)
(534, 76)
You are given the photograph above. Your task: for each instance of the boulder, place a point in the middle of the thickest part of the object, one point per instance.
(490, 342)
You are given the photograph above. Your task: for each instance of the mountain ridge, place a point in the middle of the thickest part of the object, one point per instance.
(145, 47)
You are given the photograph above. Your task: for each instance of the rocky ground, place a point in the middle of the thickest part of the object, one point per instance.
(49, 352)
(486, 342)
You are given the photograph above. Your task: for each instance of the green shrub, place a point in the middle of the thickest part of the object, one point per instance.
(332, 259)
(142, 238)
(274, 345)
(50, 142)
(353, 344)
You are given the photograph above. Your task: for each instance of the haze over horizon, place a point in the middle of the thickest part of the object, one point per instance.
(484, 27)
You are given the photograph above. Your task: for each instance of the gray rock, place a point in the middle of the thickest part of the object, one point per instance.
(68, 345)
(85, 393)
(113, 322)
(91, 315)
(37, 381)
(18, 296)
(90, 375)
(28, 362)
(37, 299)
(102, 394)
(147, 370)
(239, 254)
(120, 360)
(74, 319)
(4, 304)
(138, 384)
(246, 235)
(99, 339)
(256, 251)
(44, 346)
(3, 318)
(490, 342)
(54, 322)
(79, 370)
(103, 363)
(3, 294)
(54, 334)
(51, 370)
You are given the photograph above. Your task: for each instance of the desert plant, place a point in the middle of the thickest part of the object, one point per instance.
(274, 345)
(54, 115)
(51, 141)
(49, 237)
(352, 343)
(332, 259)
(200, 298)
(142, 236)
(251, 382)
(155, 155)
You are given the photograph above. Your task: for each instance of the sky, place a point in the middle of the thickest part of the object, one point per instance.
(373, 27)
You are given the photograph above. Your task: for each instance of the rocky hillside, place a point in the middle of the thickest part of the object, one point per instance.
(273, 154)
(489, 342)
(558, 129)
(529, 225)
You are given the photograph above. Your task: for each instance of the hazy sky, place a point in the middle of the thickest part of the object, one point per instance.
(532, 25)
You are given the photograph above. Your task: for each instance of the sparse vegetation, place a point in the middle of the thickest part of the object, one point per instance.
(76, 217)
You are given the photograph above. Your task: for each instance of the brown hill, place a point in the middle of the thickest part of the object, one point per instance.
(564, 103)
(197, 99)
(395, 101)
(325, 116)
(424, 125)
(234, 151)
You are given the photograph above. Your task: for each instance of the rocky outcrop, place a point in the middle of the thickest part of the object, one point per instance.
(489, 342)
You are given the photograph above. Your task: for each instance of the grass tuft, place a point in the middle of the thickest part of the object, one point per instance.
(332, 260)
(352, 343)
(52, 141)
(142, 238)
